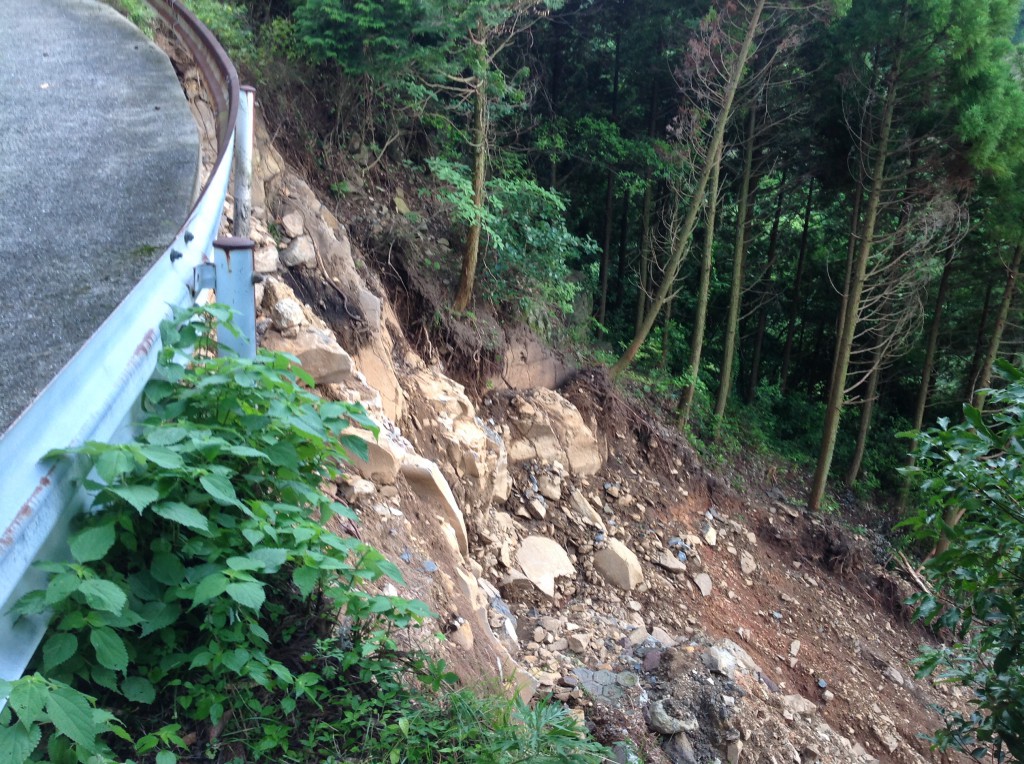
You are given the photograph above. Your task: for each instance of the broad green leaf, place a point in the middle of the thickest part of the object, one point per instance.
(110, 649)
(245, 563)
(167, 569)
(138, 689)
(92, 544)
(61, 587)
(220, 488)
(305, 579)
(236, 659)
(139, 496)
(103, 595)
(157, 615)
(113, 464)
(272, 557)
(166, 757)
(357, 446)
(210, 587)
(166, 435)
(57, 649)
(182, 514)
(247, 593)
(162, 457)
(104, 677)
(27, 698)
(71, 714)
(17, 743)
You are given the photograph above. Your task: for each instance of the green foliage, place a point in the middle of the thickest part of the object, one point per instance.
(977, 467)
(229, 25)
(206, 588)
(137, 12)
(529, 248)
(363, 37)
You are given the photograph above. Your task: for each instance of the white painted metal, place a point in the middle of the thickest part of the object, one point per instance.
(243, 162)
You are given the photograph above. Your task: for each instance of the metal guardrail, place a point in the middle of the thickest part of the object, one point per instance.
(95, 396)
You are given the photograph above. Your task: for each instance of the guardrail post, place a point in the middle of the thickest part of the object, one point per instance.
(232, 262)
(243, 160)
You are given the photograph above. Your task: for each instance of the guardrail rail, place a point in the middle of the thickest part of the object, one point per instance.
(95, 396)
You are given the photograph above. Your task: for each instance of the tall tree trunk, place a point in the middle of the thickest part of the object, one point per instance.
(794, 305)
(866, 410)
(755, 356)
(997, 330)
(606, 247)
(681, 245)
(971, 381)
(739, 257)
(609, 193)
(853, 290)
(926, 373)
(645, 217)
(620, 269)
(464, 293)
(703, 290)
(666, 334)
(762, 319)
(645, 252)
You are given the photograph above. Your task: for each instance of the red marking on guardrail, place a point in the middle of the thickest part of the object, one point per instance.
(26, 511)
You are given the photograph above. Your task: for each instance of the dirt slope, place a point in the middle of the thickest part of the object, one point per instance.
(570, 543)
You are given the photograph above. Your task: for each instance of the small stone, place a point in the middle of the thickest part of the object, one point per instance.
(794, 647)
(893, 675)
(463, 636)
(429, 566)
(797, 705)
(671, 562)
(747, 564)
(550, 486)
(266, 259)
(679, 749)
(828, 696)
(710, 536)
(292, 224)
(719, 661)
(619, 566)
(579, 643)
(733, 751)
(299, 252)
(704, 583)
(660, 720)
(538, 508)
(287, 314)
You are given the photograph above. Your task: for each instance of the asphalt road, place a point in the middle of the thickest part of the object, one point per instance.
(98, 162)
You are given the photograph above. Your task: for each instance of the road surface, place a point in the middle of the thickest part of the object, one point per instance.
(98, 162)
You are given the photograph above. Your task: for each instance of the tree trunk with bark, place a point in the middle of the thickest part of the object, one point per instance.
(703, 291)
(682, 243)
(739, 258)
(852, 295)
(467, 277)
(997, 331)
(794, 305)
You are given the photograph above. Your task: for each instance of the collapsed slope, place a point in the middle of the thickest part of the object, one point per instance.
(572, 545)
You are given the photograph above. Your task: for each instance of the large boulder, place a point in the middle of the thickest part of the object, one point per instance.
(619, 566)
(547, 427)
(319, 353)
(543, 560)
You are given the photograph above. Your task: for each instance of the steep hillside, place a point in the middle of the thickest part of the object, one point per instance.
(568, 542)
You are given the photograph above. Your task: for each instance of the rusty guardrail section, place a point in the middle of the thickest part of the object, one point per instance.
(96, 394)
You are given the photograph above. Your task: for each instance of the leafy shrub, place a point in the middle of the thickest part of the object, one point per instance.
(206, 590)
(977, 469)
(529, 248)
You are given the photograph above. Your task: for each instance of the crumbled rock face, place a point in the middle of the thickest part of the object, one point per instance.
(546, 427)
(319, 353)
(606, 575)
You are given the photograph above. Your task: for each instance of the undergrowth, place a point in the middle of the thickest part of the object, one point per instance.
(209, 610)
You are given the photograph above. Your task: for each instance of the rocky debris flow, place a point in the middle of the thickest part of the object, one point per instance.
(579, 571)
